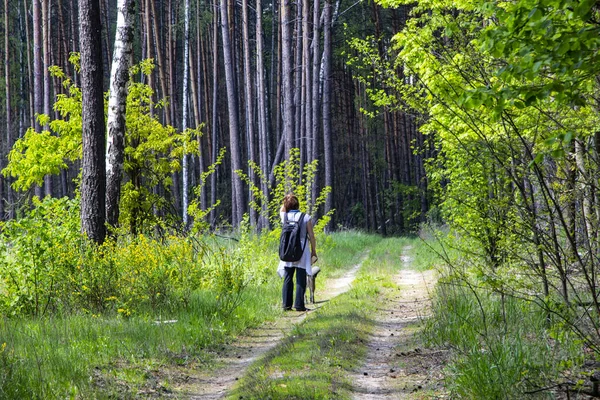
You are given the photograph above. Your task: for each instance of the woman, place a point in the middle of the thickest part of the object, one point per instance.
(300, 268)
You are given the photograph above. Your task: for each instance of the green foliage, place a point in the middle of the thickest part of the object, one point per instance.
(49, 267)
(289, 177)
(507, 92)
(37, 258)
(152, 151)
(38, 154)
(139, 308)
(194, 209)
(152, 154)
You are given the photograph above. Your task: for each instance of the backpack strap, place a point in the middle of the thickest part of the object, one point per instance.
(301, 221)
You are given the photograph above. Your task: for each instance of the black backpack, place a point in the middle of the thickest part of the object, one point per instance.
(290, 243)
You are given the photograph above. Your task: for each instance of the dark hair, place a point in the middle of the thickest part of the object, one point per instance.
(290, 202)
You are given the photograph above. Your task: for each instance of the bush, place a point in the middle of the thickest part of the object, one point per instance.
(49, 266)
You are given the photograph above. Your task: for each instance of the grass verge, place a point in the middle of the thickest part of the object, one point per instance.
(500, 346)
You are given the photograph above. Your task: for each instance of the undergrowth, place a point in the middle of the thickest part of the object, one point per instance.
(105, 323)
(501, 346)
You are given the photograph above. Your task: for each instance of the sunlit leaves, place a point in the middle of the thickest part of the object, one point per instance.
(152, 150)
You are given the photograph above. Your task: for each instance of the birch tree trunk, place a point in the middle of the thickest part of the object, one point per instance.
(93, 176)
(117, 103)
(232, 106)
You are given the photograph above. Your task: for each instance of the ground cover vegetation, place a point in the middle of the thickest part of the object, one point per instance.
(73, 329)
(508, 93)
(315, 359)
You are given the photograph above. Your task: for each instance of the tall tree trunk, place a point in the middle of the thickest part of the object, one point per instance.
(307, 83)
(4, 149)
(232, 106)
(93, 177)
(172, 59)
(297, 82)
(197, 99)
(146, 27)
(46, 75)
(316, 92)
(327, 143)
(215, 114)
(186, 50)
(105, 36)
(276, 76)
(30, 68)
(117, 103)
(160, 60)
(204, 41)
(262, 114)
(38, 80)
(250, 129)
(286, 77)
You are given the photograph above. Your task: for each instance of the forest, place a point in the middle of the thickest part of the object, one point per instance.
(148, 145)
(245, 86)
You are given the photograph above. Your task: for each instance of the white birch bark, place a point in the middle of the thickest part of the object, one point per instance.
(117, 103)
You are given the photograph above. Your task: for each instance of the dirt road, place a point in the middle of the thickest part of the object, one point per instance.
(397, 365)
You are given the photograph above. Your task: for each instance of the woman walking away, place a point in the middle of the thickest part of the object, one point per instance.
(289, 211)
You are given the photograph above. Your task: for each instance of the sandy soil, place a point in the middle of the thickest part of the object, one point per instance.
(397, 365)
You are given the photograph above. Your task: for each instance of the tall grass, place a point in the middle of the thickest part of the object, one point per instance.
(56, 357)
(503, 348)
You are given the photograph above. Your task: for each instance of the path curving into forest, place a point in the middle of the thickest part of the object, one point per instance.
(235, 359)
(397, 366)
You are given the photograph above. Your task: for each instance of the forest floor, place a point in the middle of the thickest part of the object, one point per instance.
(397, 365)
